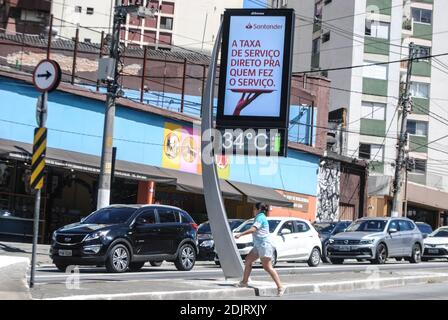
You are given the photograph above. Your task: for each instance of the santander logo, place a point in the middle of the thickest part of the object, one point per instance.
(264, 26)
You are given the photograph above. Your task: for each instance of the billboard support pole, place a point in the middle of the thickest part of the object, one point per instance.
(229, 257)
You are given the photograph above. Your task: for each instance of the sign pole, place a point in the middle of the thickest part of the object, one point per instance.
(41, 117)
(228, 254)
(46, 78)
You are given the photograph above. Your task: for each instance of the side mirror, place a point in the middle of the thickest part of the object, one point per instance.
(393, 230)
(83, 219)
(425, 235)
(285, 231)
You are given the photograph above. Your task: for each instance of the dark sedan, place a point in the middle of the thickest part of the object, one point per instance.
(205, 238)
(328, 229)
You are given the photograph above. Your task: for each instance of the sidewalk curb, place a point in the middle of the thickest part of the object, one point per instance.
(265, 291)
(13, 272)
(372, 284)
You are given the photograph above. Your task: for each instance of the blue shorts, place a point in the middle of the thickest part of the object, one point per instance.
(263, 250)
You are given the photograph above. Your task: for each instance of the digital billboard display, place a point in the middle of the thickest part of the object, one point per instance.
(255, 70)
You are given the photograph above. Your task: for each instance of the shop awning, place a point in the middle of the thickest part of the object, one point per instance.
(84, 162)
(427, 196)
(190, 182)
(256, 194)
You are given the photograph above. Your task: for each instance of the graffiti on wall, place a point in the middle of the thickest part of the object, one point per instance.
(328, 190)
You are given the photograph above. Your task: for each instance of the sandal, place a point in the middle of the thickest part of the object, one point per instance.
(242, 284)
(281, 291)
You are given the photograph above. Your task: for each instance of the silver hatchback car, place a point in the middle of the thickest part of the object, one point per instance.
(377, 239)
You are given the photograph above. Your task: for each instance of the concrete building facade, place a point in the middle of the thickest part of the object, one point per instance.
(347, 33)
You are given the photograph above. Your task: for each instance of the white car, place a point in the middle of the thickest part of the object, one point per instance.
(294, 239)
(436, 245)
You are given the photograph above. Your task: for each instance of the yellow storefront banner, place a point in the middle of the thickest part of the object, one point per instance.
(182, 151)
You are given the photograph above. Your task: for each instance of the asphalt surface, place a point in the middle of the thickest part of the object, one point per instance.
(208, 270)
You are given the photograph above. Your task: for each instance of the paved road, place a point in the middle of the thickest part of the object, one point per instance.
(435, 291)
(49, 274)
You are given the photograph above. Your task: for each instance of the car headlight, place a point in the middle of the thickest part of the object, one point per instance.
(368, 241)
(331, 241)
(208, 243)
(96, 235)
(53, 237)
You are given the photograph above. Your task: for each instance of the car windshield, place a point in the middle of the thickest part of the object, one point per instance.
(110, 216)
(248, 224)
(441, 233)
(324, 227)
(204, 228)
(235, 224)
(424, 228)
(367, 226)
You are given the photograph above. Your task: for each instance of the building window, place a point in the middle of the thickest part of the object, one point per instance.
(377, 29)
(423, 51)
(279, 3)
(376, 71)
(372, 152)
(419, 90)
(166, 23)
(326, 37)
(78, 9)
(418, 128)
(418, 166)
(422, 15)
(89, 11)
(87, 40)
(316, 46)
(373, 110)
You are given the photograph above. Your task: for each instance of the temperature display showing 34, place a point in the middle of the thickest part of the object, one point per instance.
(257, 142)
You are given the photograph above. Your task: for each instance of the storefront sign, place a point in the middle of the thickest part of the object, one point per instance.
(182, 151)
(255, 68)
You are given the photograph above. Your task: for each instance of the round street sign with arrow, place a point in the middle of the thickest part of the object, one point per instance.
(47, 75)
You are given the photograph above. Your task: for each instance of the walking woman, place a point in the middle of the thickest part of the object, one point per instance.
(263, 248)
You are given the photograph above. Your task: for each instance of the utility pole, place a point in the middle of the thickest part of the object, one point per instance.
(400, 161)
(112, 74)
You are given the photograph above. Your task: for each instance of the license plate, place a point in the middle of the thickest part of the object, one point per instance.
(433, 251)
(344, 248)
(65, 253)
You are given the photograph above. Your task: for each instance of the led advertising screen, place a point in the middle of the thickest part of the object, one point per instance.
(255, 71)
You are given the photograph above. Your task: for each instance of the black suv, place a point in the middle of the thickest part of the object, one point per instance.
(124, 237)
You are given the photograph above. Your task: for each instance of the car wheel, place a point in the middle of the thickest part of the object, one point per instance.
(324, 257)
(314, 259)
(118, 259)
(156, 263)
(336, 260)
(381, 254)
(136, 266)
(416, 254)
(186, 258)
(61, 267)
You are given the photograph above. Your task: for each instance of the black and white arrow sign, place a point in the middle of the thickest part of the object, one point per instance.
(47, 75)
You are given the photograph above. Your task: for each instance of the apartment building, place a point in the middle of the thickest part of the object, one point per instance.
(184, 23)
(331, 34)
(24, 16)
